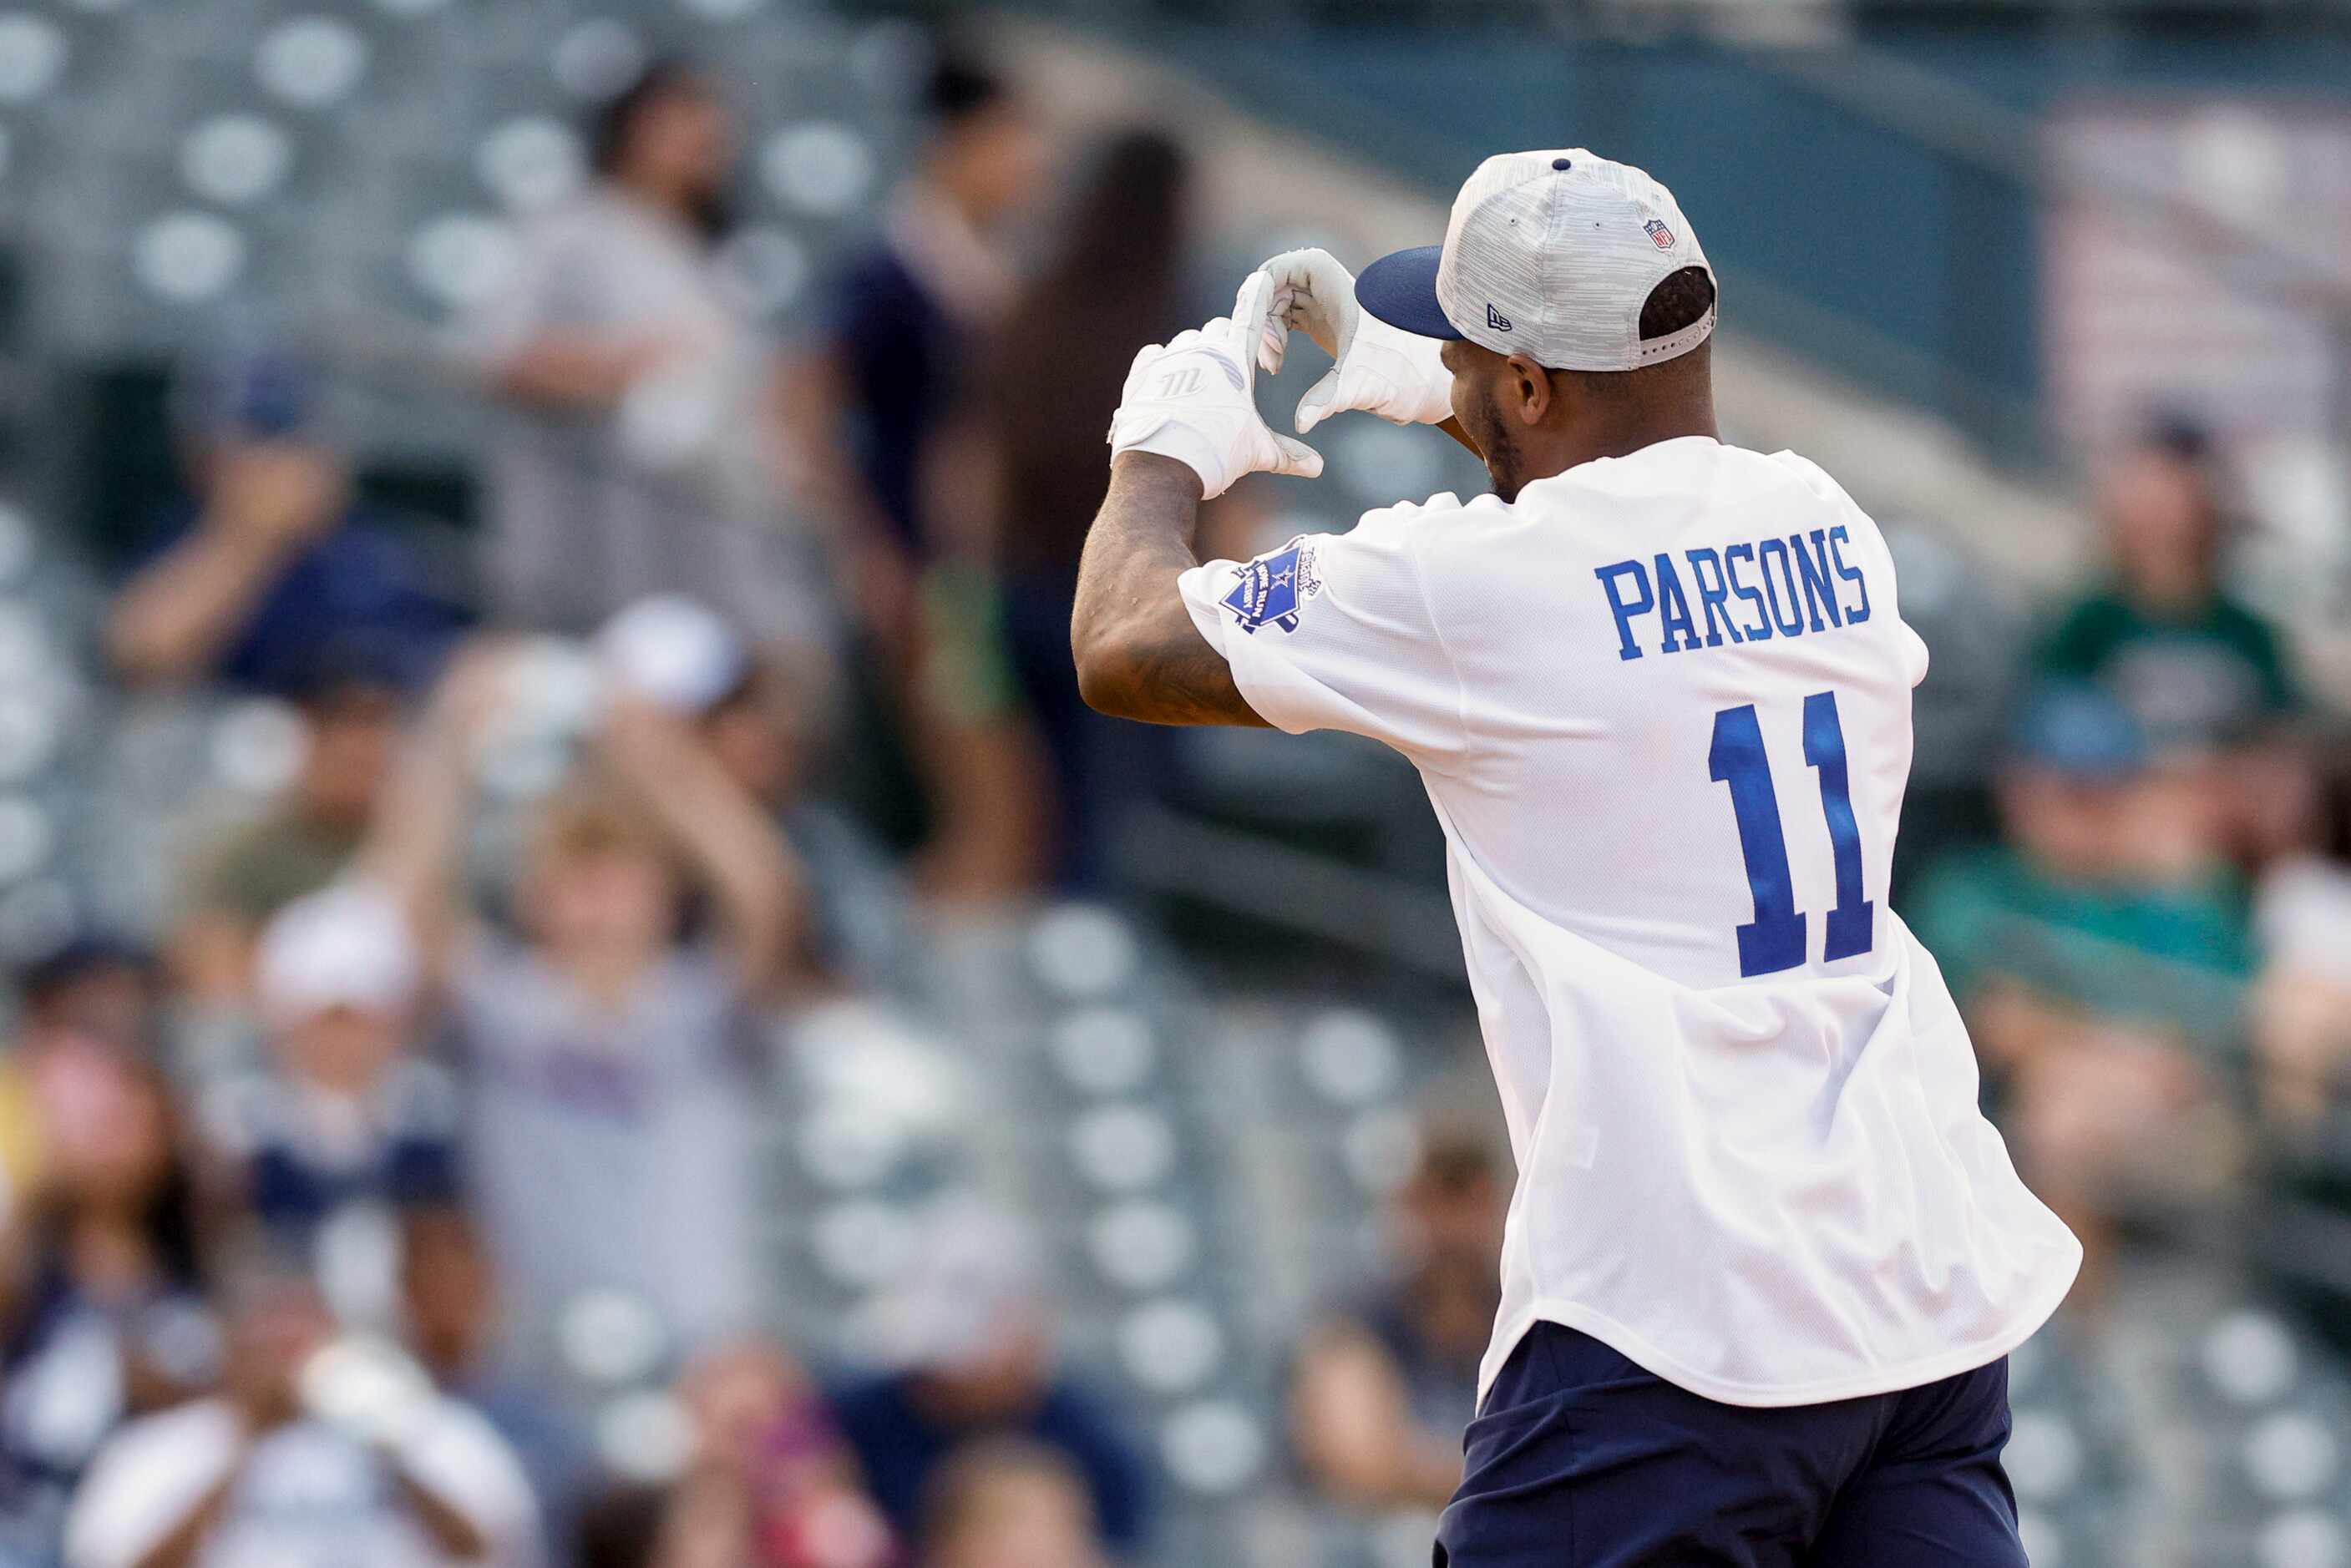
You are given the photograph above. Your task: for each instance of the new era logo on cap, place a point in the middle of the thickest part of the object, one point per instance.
(1496, 320)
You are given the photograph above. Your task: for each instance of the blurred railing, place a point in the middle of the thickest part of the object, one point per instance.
(1875, 190)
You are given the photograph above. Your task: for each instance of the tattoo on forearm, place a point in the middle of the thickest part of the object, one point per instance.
(1140, 544)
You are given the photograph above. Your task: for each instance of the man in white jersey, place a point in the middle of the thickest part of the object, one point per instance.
(1766, 1259)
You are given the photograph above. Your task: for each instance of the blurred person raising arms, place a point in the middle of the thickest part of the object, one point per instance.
(758, 715)
(612, 1068)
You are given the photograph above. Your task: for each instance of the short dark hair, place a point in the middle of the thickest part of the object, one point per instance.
(81, 956)
(614, 120)
(614, 123)
(1680, 299)
(1457, 1157)
(622, 1528)
(961, 87)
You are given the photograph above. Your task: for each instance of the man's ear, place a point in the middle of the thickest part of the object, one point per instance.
(1531, 389)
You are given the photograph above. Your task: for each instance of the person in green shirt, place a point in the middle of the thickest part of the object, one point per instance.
(2195, 667)
(2101, 953)
(239, 873)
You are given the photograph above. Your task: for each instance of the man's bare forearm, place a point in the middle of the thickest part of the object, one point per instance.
(1138, 654)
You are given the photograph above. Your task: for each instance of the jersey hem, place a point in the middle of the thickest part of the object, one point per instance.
(1893, 1379)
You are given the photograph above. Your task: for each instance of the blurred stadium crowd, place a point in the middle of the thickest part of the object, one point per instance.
(622, 1035)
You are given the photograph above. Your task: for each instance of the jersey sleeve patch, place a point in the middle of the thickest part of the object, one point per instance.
(1273, 589)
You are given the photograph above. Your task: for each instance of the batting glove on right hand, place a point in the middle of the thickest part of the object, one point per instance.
(1380, 369)
(1195, 401)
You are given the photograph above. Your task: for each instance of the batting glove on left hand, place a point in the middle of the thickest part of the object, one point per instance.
(1195, 401)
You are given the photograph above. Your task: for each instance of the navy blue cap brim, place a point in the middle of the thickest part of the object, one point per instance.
(1401, 290)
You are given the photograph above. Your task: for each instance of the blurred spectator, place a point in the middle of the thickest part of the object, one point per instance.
(272, 569)
(242, 872)
(2101, 956)
(629, 1527)
(907, 321)
(970, 1335)
(92, 997)
(345, 1118)
(1124, 249)
(613, 1070)
(303, 1460)
(2303, 1002)
(1010, 1504)
(770, 1485)
(1385, 1387)
(756, 716)
(945, 744)
(770, 1464)
(450, 1313)
(103, 1315)
(640, 453)
(2196, 668)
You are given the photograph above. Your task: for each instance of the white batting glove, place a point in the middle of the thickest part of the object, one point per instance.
(1195, 401)
(1379, 369)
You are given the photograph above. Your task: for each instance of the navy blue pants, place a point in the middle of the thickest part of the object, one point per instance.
(1579, 1459)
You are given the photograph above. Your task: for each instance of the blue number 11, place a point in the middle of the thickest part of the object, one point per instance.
(1774, 939)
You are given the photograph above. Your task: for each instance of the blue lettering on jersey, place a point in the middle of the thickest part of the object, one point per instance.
(1673, 611)
(1812, 566)
(1608, 575)
(1272, 587)
(1793, 590)
(1762, 630)
(1712, 596)
(1837, 540)
(1767, 551)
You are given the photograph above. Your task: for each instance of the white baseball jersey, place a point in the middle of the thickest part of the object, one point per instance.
(1662, 706)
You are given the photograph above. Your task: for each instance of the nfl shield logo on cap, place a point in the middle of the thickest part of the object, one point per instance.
(1657, 231)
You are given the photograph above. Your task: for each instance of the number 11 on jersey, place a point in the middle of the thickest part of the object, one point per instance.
(1774, 939)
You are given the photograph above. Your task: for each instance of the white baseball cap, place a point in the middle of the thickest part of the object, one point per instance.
(675, 652)
(347, 945)
(1549, 255)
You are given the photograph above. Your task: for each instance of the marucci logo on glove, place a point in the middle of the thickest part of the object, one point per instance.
(1189, 381)
(1274, 588)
